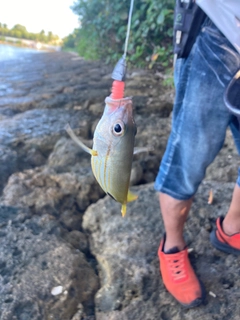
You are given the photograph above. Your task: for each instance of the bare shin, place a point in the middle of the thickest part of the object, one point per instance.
(174, 213)
(231, 223)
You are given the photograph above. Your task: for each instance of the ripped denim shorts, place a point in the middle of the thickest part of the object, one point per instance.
(200, 117)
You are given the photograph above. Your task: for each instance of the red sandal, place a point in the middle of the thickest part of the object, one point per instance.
(223, 242)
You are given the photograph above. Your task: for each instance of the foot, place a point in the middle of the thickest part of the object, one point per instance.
(224, 242)
(179, 277)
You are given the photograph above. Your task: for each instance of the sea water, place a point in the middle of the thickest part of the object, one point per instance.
(8, 52)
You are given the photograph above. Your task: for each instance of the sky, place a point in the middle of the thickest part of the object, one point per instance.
(37, 15)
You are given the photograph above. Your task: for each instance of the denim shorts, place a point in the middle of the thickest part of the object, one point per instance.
(200, 117)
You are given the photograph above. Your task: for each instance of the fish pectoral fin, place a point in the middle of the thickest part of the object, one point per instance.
(79, 142)
(93, 152)
(131, 196)
(142, 149)
(124, 210)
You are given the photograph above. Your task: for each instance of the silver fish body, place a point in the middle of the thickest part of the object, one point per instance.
(114, 142)
(113, 149)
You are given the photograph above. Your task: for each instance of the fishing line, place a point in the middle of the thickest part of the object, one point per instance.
(128, 28)
(119, 72)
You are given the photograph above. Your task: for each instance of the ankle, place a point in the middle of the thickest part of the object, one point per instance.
(230, 227)
(174, 242)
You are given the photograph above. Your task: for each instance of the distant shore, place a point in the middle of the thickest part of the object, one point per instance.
(18, 45)
(32, 44)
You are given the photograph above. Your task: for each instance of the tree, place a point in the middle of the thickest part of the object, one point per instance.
(50, 36)
(19, 31)
(104, 22)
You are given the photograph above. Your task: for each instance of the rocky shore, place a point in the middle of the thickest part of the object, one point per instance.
(65, 251)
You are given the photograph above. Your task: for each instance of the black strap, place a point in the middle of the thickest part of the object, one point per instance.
(188, 18)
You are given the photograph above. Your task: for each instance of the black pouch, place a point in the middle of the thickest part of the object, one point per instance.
(188, 18)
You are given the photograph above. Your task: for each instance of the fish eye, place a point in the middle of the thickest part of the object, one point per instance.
(118, 128)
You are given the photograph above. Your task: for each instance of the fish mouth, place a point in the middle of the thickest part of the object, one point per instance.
(121, 108)
(114, 105)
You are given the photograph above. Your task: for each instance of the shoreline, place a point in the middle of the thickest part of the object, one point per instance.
(15, 45)
(29, 44)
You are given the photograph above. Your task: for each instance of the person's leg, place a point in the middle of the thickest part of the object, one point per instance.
(231, 222)
(200, 120)
(174, 213)
(226, 236)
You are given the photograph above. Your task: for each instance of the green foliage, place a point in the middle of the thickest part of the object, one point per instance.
(20, 32)
(169, 80)
(84, 41)
(104, 26)
(87, 46)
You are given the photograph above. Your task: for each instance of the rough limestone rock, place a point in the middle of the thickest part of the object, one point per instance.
(63, 195)
(8, 164)
(51, 80)
(34, 259)
(126, 252)
(32, 135)
(65, 251)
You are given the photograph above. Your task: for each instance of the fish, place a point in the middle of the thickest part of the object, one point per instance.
(113, 149)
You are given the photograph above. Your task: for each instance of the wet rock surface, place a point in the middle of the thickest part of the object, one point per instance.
(65, 251)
